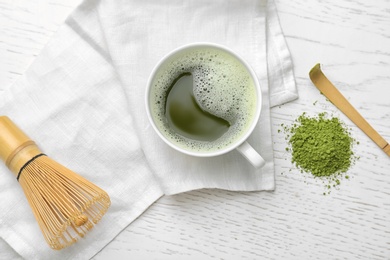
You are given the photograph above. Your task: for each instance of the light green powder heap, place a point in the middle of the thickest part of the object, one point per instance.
(321, 146)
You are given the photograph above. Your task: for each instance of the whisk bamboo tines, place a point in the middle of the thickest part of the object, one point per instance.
(65, 204)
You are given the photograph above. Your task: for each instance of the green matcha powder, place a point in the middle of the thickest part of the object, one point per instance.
(321, 146)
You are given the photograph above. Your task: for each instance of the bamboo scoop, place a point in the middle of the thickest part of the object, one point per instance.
(331, 92)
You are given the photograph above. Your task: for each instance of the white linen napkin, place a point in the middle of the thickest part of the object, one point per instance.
(82, 101)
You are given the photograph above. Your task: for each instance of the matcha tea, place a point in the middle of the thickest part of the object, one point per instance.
(203, 99)
(186, 117)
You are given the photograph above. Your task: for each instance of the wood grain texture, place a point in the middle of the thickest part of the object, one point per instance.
(25, 28)
(351, 40)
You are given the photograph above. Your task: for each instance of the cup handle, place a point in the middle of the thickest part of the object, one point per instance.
(251, 155)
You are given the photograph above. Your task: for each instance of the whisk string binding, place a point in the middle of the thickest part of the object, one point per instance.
(28, 162)
(65, 205)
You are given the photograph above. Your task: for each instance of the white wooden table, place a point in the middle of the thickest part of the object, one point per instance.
(351, 39)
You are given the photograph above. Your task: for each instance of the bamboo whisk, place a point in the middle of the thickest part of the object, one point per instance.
(65, 204)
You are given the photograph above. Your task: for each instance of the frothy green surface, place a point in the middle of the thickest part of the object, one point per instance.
(222, 86)
(186, 117)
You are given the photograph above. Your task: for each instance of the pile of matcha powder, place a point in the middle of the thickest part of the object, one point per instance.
(321, 146)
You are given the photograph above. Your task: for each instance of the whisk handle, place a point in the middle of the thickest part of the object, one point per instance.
(16, 148)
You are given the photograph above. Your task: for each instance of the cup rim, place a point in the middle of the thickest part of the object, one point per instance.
(237, 142)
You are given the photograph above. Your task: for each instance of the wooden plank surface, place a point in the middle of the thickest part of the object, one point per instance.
(351, 39)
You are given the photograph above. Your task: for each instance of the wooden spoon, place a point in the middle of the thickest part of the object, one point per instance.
(331, 92)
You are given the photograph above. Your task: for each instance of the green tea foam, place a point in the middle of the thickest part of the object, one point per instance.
(222, 86)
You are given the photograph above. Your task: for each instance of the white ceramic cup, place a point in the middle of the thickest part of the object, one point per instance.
(239, 144)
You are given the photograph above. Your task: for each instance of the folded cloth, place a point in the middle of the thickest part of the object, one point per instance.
(82, 101)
